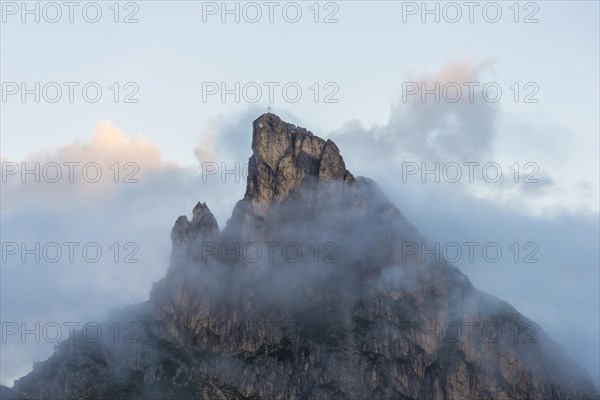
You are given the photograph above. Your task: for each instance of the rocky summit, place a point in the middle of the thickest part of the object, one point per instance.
(312, 290)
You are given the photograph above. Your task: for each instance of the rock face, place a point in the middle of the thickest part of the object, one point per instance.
(313, 290)
(285, 157)
(187, 237)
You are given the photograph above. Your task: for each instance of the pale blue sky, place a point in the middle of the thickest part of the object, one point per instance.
(368, 54)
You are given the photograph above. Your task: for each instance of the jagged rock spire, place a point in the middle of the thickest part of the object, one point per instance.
(187, 237)
(286, 156)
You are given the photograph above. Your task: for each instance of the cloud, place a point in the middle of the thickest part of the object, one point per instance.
(205, 151)
(427, 144)
(439, 129)
(423, 127)
(108, 143)
(82, 169)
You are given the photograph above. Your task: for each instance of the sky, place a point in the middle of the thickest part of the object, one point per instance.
(171, 90)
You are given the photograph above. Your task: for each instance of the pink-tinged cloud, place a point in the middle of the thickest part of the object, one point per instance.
(82, 169)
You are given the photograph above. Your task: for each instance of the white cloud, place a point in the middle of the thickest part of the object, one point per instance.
(444, 135)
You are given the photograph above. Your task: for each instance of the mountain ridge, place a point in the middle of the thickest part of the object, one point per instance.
(349, 315)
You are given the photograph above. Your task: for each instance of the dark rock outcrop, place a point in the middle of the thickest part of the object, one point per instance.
(187, 237)
(310, 292)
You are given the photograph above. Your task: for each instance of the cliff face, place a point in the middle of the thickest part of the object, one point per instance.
(309, 292)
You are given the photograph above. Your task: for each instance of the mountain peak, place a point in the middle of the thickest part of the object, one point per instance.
(286, 156)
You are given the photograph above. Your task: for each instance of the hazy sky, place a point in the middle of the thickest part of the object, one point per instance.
(355, 73)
